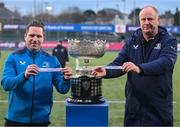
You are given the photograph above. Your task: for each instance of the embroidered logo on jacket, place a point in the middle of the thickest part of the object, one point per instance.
(22, 62)
(55, 50)
(45, 64)
(158, 46)
(135, 46)
(174, 48)
(62, 50)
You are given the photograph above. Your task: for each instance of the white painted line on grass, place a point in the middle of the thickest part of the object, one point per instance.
(3, 101)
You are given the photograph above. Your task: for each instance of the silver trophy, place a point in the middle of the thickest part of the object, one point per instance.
(85, 88)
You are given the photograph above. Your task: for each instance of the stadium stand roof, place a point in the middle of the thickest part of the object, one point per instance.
(6, 14)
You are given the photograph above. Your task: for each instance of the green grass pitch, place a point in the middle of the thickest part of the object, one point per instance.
(112, 90)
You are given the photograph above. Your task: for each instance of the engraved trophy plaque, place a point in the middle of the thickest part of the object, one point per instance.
(85, 88)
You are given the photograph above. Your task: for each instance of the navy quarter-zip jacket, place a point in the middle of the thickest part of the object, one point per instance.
(148, 94)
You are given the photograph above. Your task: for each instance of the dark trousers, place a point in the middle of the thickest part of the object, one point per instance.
(10, 123)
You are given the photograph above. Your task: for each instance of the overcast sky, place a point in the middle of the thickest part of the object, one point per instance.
(57, 6)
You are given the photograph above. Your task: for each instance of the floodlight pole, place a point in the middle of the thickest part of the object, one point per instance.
(34, 8)
(124, 10)
(97, 6)
(134, 13)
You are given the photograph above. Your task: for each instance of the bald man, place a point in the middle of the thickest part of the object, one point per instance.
(148, 57)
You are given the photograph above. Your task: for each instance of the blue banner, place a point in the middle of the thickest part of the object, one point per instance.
(88, 28)
(131, 28)
(80, 28)
(171, 29)
(67, 27)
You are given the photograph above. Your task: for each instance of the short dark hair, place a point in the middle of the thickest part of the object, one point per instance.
(35, 23)
(60, 41)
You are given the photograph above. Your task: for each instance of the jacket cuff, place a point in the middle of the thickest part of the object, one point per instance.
(107, 74)
(141, 70)
(66, 80)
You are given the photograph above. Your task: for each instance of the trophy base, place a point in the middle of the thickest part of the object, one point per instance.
(98, 100)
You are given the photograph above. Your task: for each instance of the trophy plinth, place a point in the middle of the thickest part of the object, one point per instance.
(85, 88)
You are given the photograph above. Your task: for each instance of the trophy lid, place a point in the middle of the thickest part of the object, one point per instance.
(86, 49)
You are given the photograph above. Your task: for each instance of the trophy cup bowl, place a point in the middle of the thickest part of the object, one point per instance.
(86, 49)
(85, 88)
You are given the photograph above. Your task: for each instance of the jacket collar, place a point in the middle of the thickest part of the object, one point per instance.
(32, 53)
(138, 33)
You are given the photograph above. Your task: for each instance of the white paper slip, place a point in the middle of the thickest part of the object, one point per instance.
(49, 69)
(113, 67)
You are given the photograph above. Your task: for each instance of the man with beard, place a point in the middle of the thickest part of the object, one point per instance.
(29, 76)
(148, 58)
